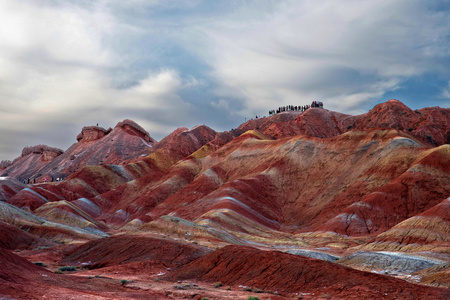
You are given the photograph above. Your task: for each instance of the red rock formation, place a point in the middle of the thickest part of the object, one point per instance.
(132, 127)
(9, 187)
(300, 183)
(21, 279)
(424, 184)
(92, 133)
(4, 164)
(12, 238)
(287, 273)
(430, 125)
(17, 270)
(48, 153)
(125, 141)
(87, 182)
(131, 248)
(31, 161)
(179, 144)
(426, 231)
(313, 178)
(96, 146)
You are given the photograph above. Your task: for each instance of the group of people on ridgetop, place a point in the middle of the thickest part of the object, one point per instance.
(33, 180)
(301, 108)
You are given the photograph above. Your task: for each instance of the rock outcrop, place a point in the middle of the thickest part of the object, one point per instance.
(96, 146)
(48, 153)
(92, 133)
(133, 128)
(31, 161)
(4, 164)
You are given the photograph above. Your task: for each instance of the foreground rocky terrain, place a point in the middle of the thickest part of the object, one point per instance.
(313, 204)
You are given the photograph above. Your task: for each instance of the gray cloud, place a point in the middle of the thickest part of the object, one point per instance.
(346, 52)
(167, 64)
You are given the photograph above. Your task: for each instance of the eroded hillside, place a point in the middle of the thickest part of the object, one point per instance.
(369, 192)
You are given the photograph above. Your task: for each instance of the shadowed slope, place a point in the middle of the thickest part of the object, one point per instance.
(132, 248)
(12, 238)
(277, 271)
(9, 187)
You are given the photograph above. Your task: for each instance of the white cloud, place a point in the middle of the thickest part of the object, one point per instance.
(153, 91)
(446, 92)
(65, 64)
(222, 104)
(288, 54)
(54, 75)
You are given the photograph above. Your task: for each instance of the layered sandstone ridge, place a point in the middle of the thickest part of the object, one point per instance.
(430, 125)
(370, 192)
(48, 153)
(31, 161)
(96, 146)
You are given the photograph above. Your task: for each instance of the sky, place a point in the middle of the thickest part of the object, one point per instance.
(167, 63)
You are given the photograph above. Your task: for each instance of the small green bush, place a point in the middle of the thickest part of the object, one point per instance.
(123, 281)
(67, 268)
(410, 129)
(252, 298)
(218, 284)
(40, 264)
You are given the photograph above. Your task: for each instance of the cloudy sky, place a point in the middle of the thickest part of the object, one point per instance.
(168, 63)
